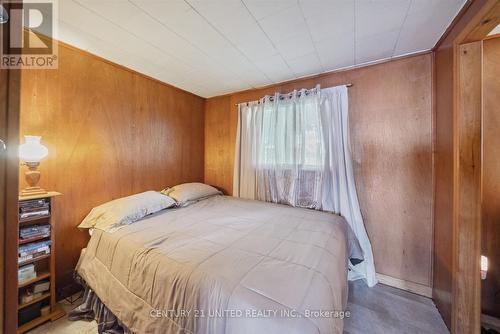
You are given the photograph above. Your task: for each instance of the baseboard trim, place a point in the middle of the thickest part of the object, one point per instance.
(490, 322)
(419, 289)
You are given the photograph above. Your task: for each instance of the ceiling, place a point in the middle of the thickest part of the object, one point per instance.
(495, 31)
(213, 47)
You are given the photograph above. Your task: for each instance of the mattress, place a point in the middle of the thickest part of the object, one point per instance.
(225, 265)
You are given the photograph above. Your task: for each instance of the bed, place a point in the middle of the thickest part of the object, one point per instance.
(224, 265)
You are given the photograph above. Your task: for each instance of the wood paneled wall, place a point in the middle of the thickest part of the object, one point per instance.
(110, 132)
(391, 122)
(444, 160)
(490, 292)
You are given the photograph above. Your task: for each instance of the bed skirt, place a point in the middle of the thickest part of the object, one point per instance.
(92, 308)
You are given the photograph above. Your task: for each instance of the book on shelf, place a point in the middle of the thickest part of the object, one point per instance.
(27, 208)
(33, 250)
(32, 211)
(29, 296)
(40, 213)
(35, 236)
(34, 203)
(34, 231)
(26, 269)
(41, 287)
(34, 208)
(26, 273)
(32, 246)
(33, 256)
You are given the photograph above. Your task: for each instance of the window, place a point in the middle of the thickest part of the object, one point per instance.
(291, 136)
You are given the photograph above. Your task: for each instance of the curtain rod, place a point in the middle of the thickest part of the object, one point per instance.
(347, 85)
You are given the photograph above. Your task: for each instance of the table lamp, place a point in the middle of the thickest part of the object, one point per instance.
(31, 152)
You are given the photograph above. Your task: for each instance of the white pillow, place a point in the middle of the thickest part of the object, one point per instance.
(189, 192)
(126, 210)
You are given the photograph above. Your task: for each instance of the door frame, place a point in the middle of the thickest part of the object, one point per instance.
(467, 168)
(9, 198)
(10, 89)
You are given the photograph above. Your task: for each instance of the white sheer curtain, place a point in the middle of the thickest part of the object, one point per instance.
(281, 153)
(294, 149)
(339, 189)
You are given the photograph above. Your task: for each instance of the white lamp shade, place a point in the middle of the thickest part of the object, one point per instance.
(32, 150)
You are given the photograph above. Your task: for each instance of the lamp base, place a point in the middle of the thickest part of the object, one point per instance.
(30, 191)
(32, 176)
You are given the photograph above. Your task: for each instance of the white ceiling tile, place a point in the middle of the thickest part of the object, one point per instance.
(425, 23)
(170, 63)
(330, 23)
(325, 8)
(495, 31)
(113, 10)
(335, 55)
(421, 6)
(72, 11)
(254, 78)
(196, 30)
(262, 8)
(227, 16)
(235, 22)
(297, 46)
(415, 37)
(275, 68)
(379, 16)
(258, 50)
(305, 65)
(284, 25)
(147, 28)
(212, 72)
(242, 67)
(164, 10)
(376, 47)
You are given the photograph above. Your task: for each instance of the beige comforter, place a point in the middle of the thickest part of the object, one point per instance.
(224, 265)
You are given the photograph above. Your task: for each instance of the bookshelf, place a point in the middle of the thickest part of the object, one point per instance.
(37, 257)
